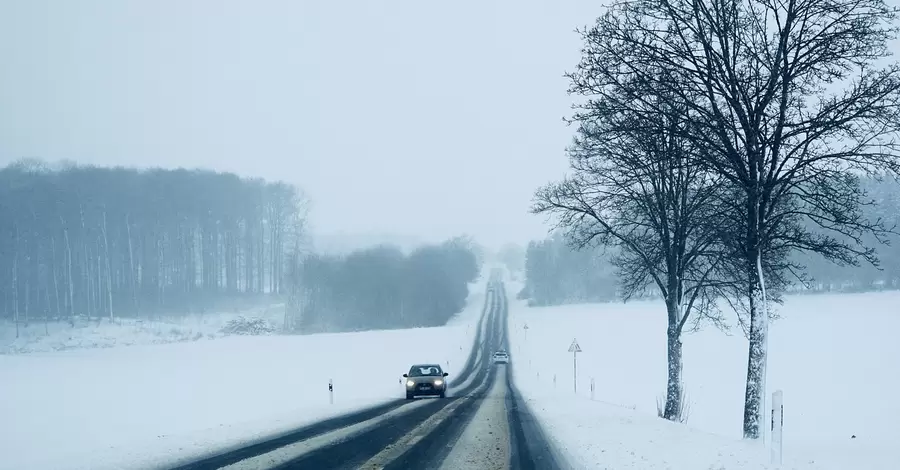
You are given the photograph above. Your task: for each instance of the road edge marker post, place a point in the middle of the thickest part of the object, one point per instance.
(777, 427)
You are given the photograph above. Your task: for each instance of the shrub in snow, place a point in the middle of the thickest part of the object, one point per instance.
(248, 326)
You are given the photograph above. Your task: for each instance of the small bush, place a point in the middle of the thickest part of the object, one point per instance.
(248, 326)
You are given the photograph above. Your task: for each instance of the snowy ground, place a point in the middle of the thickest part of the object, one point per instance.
(835, 357)
(139, 406)
(101, 333)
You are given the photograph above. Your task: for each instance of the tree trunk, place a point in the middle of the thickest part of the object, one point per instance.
(15, 282)
(27, 291)
(108, 269)
(674, 386)
(160, 274)
(89, 280)
(47, 313)
(69, 281)
(132, 274)
(758, 352)
(55, 278)
(99, 292)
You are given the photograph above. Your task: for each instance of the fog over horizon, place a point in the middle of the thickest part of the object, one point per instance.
(401, 120)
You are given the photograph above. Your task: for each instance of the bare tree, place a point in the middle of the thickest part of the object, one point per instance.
(636, 188)
(109, 286)
(758, 77)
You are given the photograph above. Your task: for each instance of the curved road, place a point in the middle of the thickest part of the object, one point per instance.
(483, 424)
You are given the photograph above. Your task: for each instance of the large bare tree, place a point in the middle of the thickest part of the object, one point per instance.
(792, 102)
(635, 187)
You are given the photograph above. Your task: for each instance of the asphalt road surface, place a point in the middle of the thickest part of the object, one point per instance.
(482, 424)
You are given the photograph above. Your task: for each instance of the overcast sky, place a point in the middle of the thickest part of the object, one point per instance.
(425, 119)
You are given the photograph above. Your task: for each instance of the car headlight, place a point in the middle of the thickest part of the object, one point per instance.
(439, 382)
(410, 383)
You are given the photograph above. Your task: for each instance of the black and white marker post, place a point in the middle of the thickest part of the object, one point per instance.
(330, 391)
(777, 426)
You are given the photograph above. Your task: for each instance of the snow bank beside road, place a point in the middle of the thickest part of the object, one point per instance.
(141, 406)
(833, 355)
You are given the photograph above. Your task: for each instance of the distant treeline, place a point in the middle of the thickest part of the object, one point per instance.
(107, 242)
(825, 276)
(558, 274)
(381, 288)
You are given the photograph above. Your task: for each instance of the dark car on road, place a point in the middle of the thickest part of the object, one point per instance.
(426, 379)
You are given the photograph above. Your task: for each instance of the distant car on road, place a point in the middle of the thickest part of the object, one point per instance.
(501, 357)
(425, 380)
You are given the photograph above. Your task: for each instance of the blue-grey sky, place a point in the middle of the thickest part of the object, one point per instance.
(424, 119)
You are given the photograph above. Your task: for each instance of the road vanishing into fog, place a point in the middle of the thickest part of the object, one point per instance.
(482, 424)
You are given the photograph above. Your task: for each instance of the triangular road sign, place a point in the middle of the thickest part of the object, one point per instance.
(574, 347)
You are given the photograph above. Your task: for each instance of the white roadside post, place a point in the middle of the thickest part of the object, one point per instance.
(574, 348)
(777, 426)
(330, 392)
(592, 389)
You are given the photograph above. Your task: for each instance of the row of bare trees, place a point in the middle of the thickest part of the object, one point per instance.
(381, 287)
(109, 242)
(715, 139)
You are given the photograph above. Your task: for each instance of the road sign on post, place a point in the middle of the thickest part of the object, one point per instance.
(574, 348)
(777, 425)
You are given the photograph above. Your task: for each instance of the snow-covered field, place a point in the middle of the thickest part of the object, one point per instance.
(101, 333)
(834, 356)
(137, 406)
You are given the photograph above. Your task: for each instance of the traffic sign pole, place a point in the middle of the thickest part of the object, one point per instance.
(575, 372)
(574, 348)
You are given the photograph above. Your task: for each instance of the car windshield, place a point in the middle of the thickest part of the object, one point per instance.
(425, 371)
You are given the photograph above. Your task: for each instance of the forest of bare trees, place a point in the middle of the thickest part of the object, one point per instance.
(118, 242)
